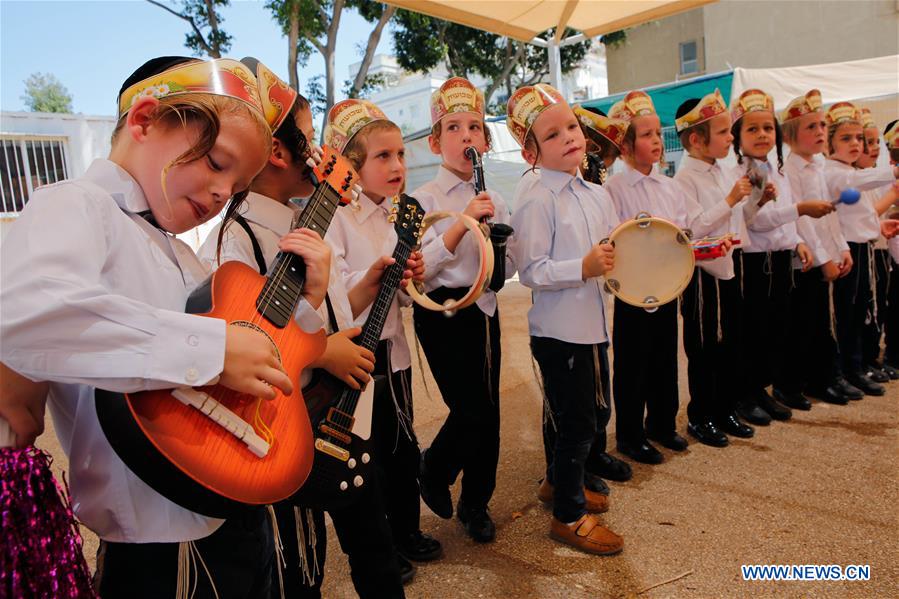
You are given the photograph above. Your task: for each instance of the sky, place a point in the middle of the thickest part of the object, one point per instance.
(91, 47)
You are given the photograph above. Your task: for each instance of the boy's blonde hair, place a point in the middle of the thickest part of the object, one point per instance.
(356, 149)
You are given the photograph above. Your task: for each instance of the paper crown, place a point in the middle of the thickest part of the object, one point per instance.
(347, 118)
(277, 97)
(708, 108)
(810, 102)
(842, 112)
(867, 119)
(456, 95)
(611, 129)
(751, 100)
(221, 77)
(634, 104)
(891, 136)
(525, 106)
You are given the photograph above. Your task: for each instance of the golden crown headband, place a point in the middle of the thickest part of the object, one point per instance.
(708, 108)
(220, 77)
(801, 106)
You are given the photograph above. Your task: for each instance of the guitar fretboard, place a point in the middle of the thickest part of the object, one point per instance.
(282, 290)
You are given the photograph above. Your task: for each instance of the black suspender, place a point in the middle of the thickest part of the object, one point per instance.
(257, 249)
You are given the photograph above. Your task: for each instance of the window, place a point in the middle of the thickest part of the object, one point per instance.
(688, 60)
(27, 163)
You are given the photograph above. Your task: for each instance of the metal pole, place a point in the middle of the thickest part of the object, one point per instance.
(555, 65)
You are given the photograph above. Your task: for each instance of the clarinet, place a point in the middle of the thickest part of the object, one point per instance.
(499, 232)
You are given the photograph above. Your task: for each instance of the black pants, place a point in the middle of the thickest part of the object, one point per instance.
(875, 326)
(891, 333)
(767, 284)
(853, 304)
(810, 328)
(569, 381)
(645, 377)
(396, 447)
(364, 535)
(710, 308)
(602, 408)
(239, 555)
(468, 441)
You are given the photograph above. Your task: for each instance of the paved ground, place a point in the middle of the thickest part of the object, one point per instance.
(821, 489)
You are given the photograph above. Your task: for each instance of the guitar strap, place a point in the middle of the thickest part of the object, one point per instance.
(332, 316)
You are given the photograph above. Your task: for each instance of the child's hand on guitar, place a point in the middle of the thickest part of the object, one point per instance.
(316, 254)
(347, 361)
(415, 269)
(251, 364)
(22, 404)
(598, 261)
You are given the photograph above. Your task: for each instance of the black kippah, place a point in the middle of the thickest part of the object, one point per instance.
(154, 66)
(595, 110)
(686, 106)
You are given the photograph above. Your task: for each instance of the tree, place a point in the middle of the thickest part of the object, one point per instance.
(202, 15)
(313, 24)
(423, 42)
(45, 93)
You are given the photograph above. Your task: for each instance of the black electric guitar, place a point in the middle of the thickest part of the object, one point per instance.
(341, 417)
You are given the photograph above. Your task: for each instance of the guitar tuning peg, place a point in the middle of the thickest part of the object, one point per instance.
(395, 200)
(391, 218)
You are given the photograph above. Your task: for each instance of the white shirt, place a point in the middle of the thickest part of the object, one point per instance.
(562, 218)
(633, 192)
(442, 267)
(708, 185)
(859, 221)
(358, 237)
(807, 182)
(774, 226)
(93, 296)
(270, 220)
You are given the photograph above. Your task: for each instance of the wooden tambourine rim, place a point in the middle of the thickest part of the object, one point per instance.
(644, 218)
(485, 265)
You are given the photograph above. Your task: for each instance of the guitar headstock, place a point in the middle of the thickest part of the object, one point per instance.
(407, 216)
(335, 171)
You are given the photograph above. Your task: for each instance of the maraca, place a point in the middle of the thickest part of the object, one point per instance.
(848, 196)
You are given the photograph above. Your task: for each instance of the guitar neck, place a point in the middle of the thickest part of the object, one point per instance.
(282, 290)
(380, 308)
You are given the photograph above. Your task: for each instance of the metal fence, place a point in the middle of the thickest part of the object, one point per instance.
(27, 163)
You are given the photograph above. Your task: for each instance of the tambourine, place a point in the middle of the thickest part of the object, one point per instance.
(481, 234)
(653, 262)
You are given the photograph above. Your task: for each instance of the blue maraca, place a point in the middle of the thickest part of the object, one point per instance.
(848, 196)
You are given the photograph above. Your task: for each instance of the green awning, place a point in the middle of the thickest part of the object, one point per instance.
(668, 96)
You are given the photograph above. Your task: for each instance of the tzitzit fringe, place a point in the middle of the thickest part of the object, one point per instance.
(280, 562)
(547, 409)
(186, 585)
(488, 358)
(597, 378)
(402, 416)
(309, 569)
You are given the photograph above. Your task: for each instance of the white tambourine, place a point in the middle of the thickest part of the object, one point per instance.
(653, 262)
(485, 265)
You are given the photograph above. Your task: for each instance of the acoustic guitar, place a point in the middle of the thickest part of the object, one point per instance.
(210, 449)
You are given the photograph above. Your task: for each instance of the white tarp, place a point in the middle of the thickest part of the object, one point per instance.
(838, 81)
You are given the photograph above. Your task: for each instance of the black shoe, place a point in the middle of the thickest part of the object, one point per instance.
(750, 412)
(478, 523)
(420, 547)
(436, 495)
(867, 386)
(407, 569)
(876, 374)
(848, 390)
(611, 468)
(891, 372)
(644, 452)
(792, 399)
(731, 425)
(595, 483)
(774, 409)
(671, 440)
(830, 394)
(707, 433)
